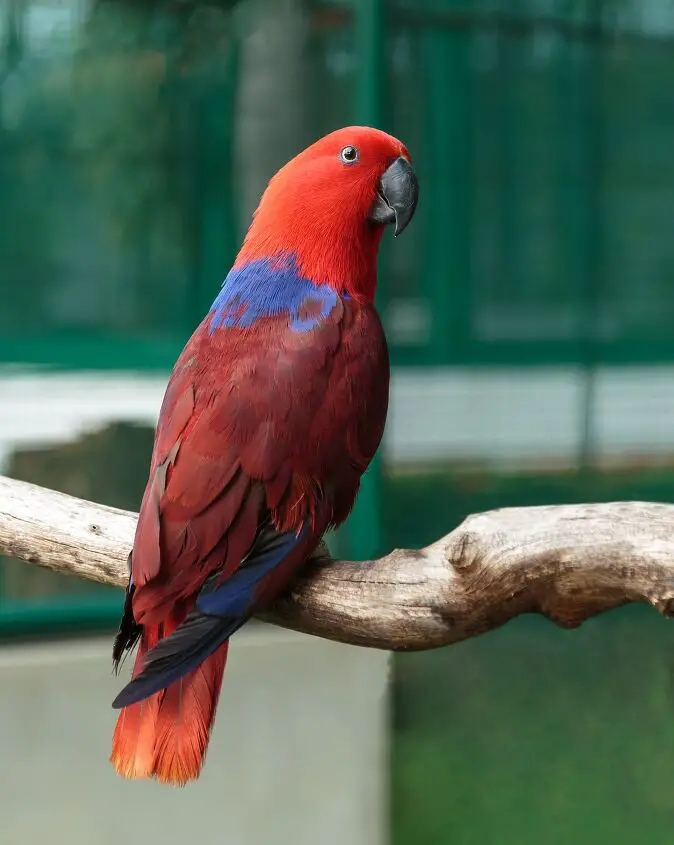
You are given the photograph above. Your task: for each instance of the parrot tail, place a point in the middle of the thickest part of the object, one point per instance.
(166, 735)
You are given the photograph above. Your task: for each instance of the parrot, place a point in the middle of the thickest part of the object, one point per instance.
(272, 413)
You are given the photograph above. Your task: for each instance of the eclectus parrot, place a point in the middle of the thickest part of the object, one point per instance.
(272, 413)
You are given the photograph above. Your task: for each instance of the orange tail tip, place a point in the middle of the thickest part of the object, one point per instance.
(166, 736)
(134, 737)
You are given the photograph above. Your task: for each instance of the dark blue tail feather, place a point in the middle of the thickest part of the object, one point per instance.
(176, 655)
(220, 611)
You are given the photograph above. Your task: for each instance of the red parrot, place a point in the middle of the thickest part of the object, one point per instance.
(272, 413)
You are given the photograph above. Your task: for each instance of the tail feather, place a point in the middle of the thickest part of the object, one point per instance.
(168, 707)
(185, 720)
(179, 653)
(166, 735)
(134, 738)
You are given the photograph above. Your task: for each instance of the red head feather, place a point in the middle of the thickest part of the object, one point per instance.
(317, 209)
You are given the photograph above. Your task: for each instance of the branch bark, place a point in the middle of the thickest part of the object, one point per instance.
(567, 562)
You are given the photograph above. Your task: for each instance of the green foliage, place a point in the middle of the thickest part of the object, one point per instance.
(532, 734)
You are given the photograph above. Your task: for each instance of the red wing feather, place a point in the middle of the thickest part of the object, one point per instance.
(249, 430)
(279, 423)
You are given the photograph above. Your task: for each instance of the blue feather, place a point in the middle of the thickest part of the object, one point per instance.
(267, 288)
(237, 594)
(220, 612)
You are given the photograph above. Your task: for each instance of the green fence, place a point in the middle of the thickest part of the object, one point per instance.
(542, 133)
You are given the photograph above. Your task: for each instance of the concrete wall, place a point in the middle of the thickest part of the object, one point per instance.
(299, 753)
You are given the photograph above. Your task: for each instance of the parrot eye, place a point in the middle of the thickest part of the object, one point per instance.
(349, 154)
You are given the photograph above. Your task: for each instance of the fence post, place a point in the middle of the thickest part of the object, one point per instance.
(362, 533)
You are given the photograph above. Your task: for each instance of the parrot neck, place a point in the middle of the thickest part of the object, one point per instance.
(264, 288)
(325, 250)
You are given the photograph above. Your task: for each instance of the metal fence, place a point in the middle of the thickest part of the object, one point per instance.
(542, 132)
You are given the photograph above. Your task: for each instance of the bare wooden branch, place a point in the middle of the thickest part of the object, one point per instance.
(568, 562)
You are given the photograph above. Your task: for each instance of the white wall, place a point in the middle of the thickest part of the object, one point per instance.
(508, 415)
(299, 755)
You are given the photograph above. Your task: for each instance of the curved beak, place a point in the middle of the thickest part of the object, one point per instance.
(397, 196)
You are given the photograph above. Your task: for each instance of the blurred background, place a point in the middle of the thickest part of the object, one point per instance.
(529, 310)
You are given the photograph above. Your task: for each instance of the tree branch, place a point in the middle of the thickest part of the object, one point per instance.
(567, 562)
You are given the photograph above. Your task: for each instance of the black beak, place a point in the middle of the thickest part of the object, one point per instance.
(397, 196)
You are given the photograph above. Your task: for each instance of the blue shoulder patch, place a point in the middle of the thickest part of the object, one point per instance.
(269, 287)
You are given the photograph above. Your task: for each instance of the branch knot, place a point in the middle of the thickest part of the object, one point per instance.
(462, 550)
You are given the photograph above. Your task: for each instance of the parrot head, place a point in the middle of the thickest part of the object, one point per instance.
(327, 208)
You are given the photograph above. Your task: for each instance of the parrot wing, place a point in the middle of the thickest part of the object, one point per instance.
(262, 438)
